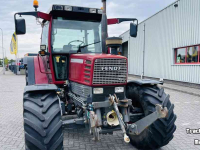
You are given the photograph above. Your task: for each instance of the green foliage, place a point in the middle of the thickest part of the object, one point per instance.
(11, 61)
(6, 61)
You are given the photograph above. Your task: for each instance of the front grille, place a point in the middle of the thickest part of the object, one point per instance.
(110, 71)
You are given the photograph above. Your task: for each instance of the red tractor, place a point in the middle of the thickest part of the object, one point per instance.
(79, 78)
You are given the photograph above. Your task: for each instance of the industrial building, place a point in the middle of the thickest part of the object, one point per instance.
(168, 44)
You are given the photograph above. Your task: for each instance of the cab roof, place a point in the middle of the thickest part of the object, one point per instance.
(68, 8)
(76, 12)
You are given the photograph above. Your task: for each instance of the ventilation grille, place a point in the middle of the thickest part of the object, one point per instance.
(87, 71)
(81, 90)
(110, 71)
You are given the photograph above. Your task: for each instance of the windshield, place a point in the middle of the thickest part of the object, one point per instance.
(69, 36)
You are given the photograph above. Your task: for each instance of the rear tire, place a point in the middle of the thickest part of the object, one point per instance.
(42, 121)
(160, 133)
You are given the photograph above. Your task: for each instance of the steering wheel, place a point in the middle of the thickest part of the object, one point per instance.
(76, 41)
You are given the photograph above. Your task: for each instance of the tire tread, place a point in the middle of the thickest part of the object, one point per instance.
(42, 129)
(161, 131)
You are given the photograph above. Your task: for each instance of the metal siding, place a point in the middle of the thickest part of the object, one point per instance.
(170, 28)
(125, 36)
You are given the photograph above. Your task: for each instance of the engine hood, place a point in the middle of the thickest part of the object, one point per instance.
(82, 69)
(95, 56)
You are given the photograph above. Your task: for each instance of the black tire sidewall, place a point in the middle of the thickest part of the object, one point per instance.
(138, 95)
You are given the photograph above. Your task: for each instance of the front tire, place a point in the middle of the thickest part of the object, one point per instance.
(160, 133)
(42, 121)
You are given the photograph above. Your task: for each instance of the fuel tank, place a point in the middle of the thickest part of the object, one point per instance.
(98, 69)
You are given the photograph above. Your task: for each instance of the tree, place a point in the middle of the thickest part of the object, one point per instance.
(11, 61)
(6, 61)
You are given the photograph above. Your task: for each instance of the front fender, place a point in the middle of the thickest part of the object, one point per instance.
(40, 87)
(145, 82)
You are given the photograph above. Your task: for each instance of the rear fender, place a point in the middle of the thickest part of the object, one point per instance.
(40, 76)
(35, 76)
(30, 69)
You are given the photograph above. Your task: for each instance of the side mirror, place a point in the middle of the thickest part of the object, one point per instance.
(20, 26)
(133, 30)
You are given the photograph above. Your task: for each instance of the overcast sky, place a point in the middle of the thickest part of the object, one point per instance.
(29, 43)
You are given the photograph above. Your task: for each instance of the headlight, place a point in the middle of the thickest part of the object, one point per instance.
(57, 7)
(119, 89)
(98, 90)
(100, 11)
(92, 10)
(68, 8)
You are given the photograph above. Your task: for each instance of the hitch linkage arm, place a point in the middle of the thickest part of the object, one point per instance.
(114, 100)
(139, 126)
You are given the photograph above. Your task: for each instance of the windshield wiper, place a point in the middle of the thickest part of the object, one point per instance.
(80, 47)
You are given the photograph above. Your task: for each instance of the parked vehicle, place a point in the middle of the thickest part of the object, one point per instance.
(21, 64)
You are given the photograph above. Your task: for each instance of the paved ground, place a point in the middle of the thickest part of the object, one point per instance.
(187, 108)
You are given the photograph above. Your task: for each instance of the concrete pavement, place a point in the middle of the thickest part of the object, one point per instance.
(187, 109)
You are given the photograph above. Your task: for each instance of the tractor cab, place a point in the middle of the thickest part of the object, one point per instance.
(75, 29)
(71, 30)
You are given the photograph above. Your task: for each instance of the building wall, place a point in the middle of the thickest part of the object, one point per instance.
(170, 28)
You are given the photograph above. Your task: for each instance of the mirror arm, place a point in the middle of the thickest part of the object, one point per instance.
(119, 20)
(35, 14)
(26, 13)
(127, 19)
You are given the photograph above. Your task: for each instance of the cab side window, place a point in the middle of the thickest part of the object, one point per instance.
(45, 34)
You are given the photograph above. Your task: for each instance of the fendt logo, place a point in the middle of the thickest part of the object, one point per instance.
(110, 68)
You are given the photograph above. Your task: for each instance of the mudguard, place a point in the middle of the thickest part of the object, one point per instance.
(34, 74)
(145, 82)
(29, 62)
(41, 87)
(40, 76)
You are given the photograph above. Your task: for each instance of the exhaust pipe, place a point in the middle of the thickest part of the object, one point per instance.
(104, 6)
(104, 25)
